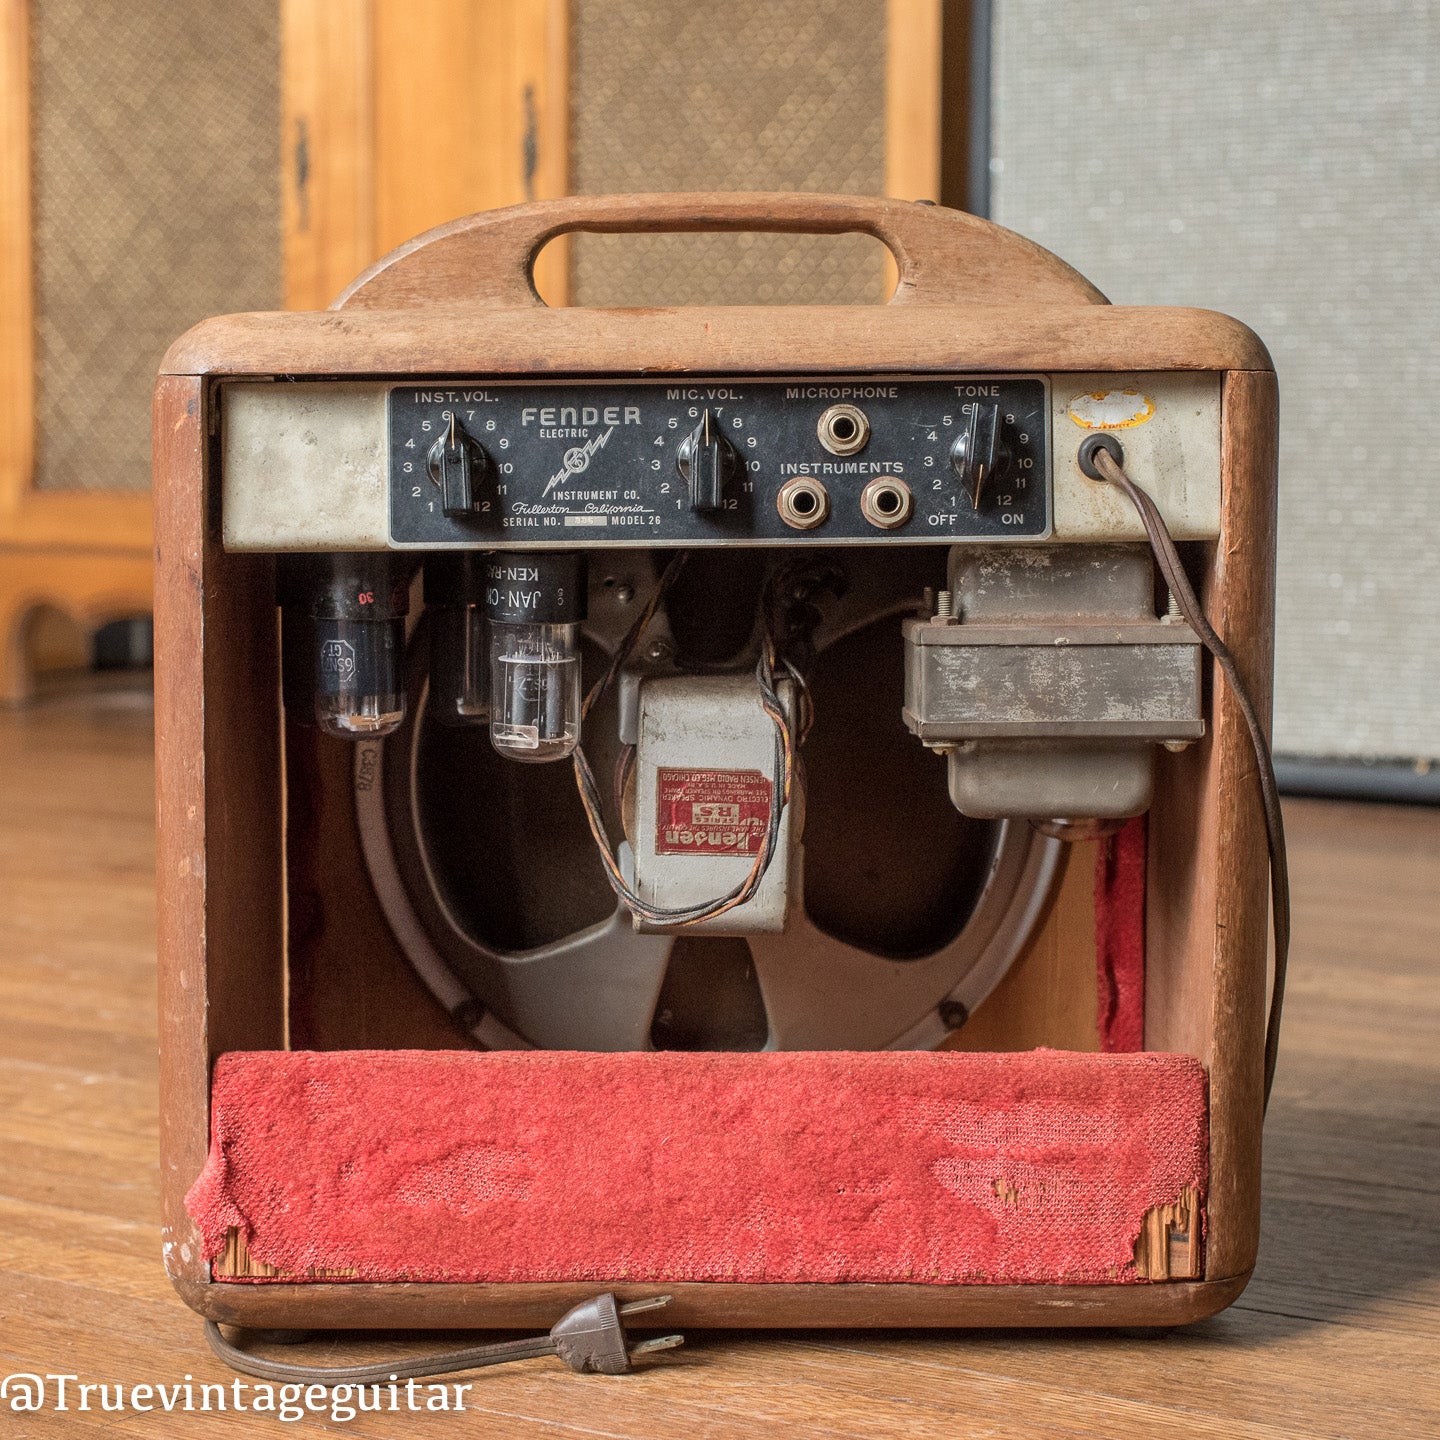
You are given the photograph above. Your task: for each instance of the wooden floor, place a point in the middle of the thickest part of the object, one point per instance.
(1338, 1335)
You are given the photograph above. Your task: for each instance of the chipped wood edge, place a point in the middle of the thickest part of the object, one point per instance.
(1168, 1246)
(235, 1262)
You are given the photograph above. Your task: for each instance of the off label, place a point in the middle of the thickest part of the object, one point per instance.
(711, 812)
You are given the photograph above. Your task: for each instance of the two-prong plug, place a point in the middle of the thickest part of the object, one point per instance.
(591, 1338)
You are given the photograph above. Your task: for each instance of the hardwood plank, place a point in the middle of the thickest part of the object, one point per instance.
(327, 147)
(1337, 1335)
(471, 113)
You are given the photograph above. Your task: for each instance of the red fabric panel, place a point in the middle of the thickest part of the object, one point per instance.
(941, 1168)
(1120, 937)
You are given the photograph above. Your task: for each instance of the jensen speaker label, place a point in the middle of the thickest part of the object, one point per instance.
(711, 812)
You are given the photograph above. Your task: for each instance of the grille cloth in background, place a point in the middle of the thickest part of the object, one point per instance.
(1276, 162)
(919, 1167)
(670, 95)
(156, 203)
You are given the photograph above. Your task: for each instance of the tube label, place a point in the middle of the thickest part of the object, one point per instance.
(358, 657)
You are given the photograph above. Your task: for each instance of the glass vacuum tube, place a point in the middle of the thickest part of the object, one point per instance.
(358, 603)
(459, 641)
(535, 603)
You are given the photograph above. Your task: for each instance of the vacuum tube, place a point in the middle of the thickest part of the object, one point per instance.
(459, 643)
(357, 604)
(535, 603)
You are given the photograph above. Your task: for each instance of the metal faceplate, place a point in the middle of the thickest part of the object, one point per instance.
(587, 464)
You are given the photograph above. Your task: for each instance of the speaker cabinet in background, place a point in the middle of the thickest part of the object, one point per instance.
(160, 162)
(140, 192)
(1277, 163)
(668, 95)
(401, 117)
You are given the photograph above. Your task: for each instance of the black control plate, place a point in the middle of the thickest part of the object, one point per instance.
(580, 464)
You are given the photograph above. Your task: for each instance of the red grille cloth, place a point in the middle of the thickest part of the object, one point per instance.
(1120, 937)
(939, 1168)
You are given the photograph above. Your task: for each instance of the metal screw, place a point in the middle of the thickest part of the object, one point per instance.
(952, 1014)
(625, 594)
(1172, 608)
(945, 605)
(657, 650)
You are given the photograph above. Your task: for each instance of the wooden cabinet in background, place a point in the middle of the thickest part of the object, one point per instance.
(391, 117)
(85, 553)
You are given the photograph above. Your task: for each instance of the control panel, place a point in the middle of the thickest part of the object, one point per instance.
(329, 464)
(718, 462)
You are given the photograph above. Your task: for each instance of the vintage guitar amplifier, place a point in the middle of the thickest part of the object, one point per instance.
(727, 803)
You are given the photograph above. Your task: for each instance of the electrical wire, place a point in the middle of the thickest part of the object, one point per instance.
(589, 1337)
(442, 1362)
(1167, 557)
(784, 763)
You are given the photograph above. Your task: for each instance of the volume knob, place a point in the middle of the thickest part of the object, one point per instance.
(707, 460)
(457, 465)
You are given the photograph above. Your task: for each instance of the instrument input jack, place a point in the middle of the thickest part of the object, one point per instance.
(803, 503)
(843, 429)
(887, 504)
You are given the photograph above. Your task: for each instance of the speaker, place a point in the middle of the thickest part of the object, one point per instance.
(139, 191)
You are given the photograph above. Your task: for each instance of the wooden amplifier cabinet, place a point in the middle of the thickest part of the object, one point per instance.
(972, 299)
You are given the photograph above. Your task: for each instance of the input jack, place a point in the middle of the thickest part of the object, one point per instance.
(803, 503)
(886, 504)
(843, 429)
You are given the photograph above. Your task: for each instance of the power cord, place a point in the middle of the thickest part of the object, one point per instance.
(1102, 457)
(590, 1339)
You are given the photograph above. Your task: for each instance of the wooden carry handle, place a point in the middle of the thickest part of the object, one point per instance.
(943, 256)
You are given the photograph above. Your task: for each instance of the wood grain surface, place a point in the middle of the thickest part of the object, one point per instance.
(486, 259)
(1337, 1335)
(399, 116)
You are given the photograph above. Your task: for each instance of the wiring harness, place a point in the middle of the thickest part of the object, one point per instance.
(784, 763)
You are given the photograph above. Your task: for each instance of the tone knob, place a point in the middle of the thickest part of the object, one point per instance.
(980, 453)
(458, 465)
(707, 460)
